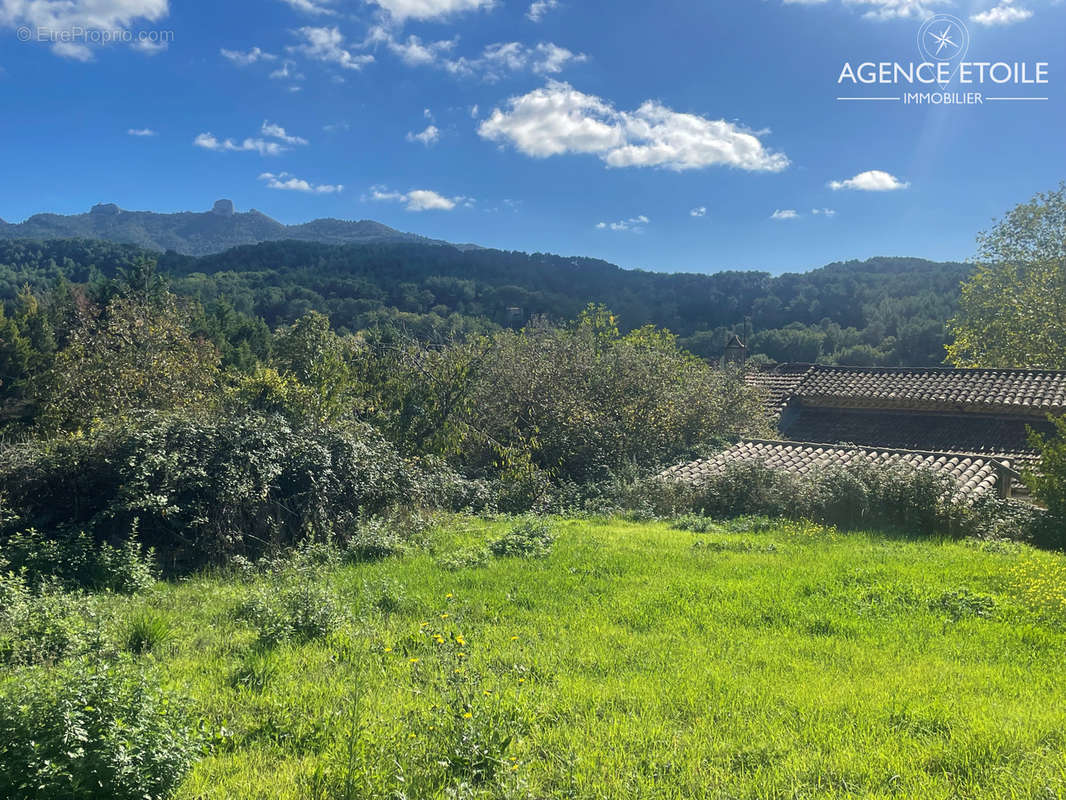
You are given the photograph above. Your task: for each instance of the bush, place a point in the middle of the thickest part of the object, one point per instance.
(204, 489)
(1049, 484)
(76, 562)
(45, 627)
(302, 610)
(531, 538)
(695, 523)
(747, 487)
(858, 495)
(92, 732)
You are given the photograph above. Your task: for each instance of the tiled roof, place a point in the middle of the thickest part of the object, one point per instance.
(973, 475)
(1003, 438)
(779, 383)
(989, 391)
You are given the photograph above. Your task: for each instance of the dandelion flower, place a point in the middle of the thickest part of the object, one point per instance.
(468, 715)
(514, 638)
(459, 640)
(414, 660)
(449, 596)
(388, 649)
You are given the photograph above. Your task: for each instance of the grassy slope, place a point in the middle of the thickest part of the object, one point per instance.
(631, 663)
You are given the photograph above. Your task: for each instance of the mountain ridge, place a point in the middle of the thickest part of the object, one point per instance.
(195, 233)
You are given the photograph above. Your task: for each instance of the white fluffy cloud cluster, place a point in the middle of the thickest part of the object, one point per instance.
(290, 183)
(95, 15)
(274, 141)
(873, 180)
(560, 119)
(419, 199)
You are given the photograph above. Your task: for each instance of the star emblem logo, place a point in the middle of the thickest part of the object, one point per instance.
(943, 40)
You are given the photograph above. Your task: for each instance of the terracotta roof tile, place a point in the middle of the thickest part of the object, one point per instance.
(974, 475)
(988, 391)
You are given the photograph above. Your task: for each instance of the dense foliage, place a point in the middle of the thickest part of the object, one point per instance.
(201, 487)
(1013, 309)
(1049, 482)
(884, 311)
(91, 731)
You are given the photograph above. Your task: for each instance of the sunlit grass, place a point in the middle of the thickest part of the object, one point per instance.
(638, 661)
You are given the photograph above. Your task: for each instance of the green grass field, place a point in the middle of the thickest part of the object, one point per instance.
(635, 661)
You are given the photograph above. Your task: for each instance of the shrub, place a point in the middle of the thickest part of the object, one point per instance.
(373, 540)
(76, 562)
(695, 523)
(204, 489)
(302, 610)
(44, 627)
(1049, 484)
(93, 732)
(747, 487)
(531, 538)
(853, 496)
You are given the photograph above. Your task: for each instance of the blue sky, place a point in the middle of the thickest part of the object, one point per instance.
(694, 136)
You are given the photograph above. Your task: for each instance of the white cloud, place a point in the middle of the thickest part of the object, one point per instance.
(474, 111)
(275, 131)
(77, 52)
(785, 213)
(208, 141)
(327, 45)
(68, 15)
(413, 52)
(873, 180)
(334, 127)
(559, 119)
(287, 182)
(310, 7)
(1006, 13)
(141, 132)
(285, 72)
(150, 48)
(824, 212)
(495, 61)
(884, 9)
(538, 8)
(242, 59)
(633, 224)
(420, 199)
(698, 212)
(502, 58)
(430, 9)
(430, 136)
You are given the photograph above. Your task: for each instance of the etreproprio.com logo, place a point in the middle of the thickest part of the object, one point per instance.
(90, 36)
(943, 44)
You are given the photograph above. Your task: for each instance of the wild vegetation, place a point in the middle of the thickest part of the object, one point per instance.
(254, 558)
(610, 659)
(884, 311)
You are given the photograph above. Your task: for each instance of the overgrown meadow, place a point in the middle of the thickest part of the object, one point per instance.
(597, 658)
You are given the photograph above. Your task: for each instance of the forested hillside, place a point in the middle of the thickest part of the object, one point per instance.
(884, 311)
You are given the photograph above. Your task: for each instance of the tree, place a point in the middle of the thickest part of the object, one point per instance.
(1012, 312)
(321, 361)
(135, 355)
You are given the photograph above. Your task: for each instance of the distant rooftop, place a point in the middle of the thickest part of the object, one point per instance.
(974, 476)
(1034, 393)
